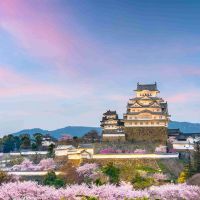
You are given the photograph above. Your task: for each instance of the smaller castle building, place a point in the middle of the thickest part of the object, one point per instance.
(112, 126)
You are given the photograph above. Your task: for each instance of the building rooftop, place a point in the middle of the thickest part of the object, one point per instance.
(110, 112)
(151, 87)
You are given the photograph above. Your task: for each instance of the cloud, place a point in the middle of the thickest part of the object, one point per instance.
(185, 97)
(13, 84)
(38, 32)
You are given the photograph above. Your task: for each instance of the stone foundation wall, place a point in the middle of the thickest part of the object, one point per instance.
(113, 139)
(152, 134)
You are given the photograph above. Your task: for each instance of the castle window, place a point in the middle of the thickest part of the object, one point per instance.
(152, 123)
(141, 123)
(135, 123)
(157, 122)
(146, 122)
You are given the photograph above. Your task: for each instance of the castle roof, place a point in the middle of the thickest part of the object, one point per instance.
(150, 87)
(174, 132)
(109, 112)
(164, 107)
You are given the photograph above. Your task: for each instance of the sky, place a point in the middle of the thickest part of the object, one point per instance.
(66, 62)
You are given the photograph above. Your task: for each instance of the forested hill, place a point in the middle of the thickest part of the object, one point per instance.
(186, 127)
(71, 130)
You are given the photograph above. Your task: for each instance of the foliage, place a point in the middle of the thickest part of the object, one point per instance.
(52, 180)
(160, 177)
(87, 169)
(4, 177)
(38, 140)
(34, 147)
(194, 180)
(27, 165)
(113, 172)
(173, 167)
(51, 152)
(70, 174)
(183, 175)
(10, 143)
(147, 169)
(129, 167)
(25, 141)
(16, 161)
(90, 173)
(140, 182)
(31, 190)
(85, 197)
(91, 136)
(195, 167)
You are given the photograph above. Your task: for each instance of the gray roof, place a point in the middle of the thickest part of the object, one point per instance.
(164, 107)
(174, 132)
(110, 112)
(151, 87)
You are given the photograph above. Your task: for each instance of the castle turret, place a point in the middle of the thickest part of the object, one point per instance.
(112, 126)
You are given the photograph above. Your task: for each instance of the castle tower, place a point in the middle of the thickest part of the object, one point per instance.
(112, 127)
(147, 115)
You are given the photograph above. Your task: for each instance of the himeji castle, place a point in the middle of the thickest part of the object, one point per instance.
(146, 114)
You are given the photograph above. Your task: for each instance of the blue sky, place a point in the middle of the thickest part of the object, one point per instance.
(66, 62)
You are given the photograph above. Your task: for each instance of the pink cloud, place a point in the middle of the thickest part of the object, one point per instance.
(183, 97)
(37, 32)
(193, 71)
(13, 84)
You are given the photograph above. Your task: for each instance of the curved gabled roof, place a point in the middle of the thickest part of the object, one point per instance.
(150, 87)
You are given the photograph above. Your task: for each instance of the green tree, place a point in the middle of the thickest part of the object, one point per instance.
(51, 152)
(140, 182)
(8, 143)
(38, 140)
(17, 142)
(25, 141)
(1, 144)
(52, 180)
(112, 172)
(34, 146)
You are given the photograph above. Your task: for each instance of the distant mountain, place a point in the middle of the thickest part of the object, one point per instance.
(185, 127)
(71, 130)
